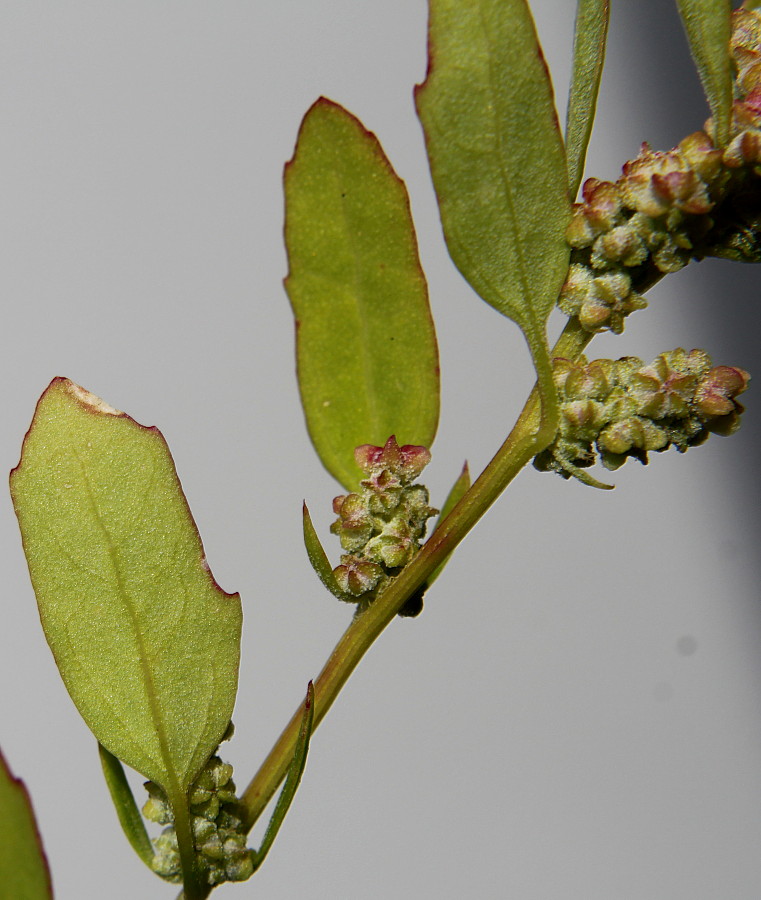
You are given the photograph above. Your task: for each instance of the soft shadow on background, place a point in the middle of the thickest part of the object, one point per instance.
(576, 713)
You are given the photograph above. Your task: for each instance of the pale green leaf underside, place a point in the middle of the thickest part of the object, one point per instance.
(588, 59)
(23, 868)
(496, 156)
(708, 27)
(146, 642)
(366, 347)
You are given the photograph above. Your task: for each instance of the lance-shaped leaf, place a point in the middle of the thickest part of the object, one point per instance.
(496, 156)
(146, 642)
(319, 560)
(457, 492)
(127, 812)
(292, 780)
(24, 871)
(588, 59)
(708, 27)
(365, 343)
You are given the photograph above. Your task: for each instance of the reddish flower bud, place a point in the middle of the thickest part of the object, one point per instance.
(715, 394)
(407, 462)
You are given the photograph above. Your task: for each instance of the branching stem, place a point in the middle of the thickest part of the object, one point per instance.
(525, 440)
(534, 429)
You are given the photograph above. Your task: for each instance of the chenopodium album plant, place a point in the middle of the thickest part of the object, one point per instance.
(146, 642)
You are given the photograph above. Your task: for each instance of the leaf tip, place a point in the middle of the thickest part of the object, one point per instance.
(87, 399)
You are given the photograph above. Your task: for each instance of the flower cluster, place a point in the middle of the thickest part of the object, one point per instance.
(217, 823)
(622, 408)
(381, 525)
(667, 207)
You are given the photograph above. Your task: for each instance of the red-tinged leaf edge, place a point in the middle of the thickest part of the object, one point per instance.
(19, 785)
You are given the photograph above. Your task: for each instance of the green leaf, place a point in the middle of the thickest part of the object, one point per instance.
(24, 873)
(145, 640)
(588, 59)
(497, 156)
(319, 560)
(126, 809)
(455, 494)
(292, 780)
(708, 27)
(459, 488)
(366, 347)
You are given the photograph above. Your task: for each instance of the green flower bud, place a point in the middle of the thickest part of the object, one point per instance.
(620, 244)
(582, 419)
(659, 391)
(599, 301)
(354, 525)
(166, 860)
(702, 157)
(384, 491)
(583, 380)
(211, 847)
(156, 807)
(632, 434)
(240, 868)
(357, 576)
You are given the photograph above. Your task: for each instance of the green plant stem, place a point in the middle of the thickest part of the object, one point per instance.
(524, 441)
(192, 888)
(533, 430)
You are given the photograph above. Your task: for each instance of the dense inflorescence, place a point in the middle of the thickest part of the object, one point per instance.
(217, 824)
(669, 207)
(381, 526)
(616, 409)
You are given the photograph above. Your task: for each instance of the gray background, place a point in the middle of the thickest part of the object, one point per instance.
(576, 713)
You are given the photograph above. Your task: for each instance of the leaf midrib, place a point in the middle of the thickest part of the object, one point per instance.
(123, 594)
(357, 281)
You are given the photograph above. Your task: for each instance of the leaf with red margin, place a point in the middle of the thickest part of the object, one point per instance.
(24, 873)
(365, 342)
(497, 157)
(147, 643)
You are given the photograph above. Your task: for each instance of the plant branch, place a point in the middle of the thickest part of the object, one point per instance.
(192, 889)
(524, 441)
(534, 429)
